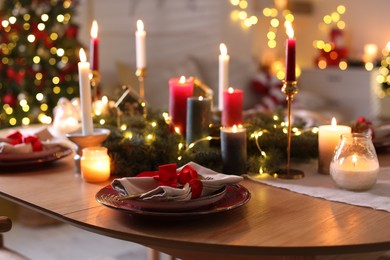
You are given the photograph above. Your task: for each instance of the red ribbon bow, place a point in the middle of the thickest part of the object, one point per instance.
(169, 176)
(17, 138)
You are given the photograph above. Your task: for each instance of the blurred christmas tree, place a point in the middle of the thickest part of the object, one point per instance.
(38, 59)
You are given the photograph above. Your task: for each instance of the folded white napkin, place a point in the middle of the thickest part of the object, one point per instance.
(150, 189)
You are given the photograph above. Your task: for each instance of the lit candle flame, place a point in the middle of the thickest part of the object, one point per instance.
(289, 30)
(140, 25)
(230, 90)
(334, 122)
(182, 80)
(354, 160)
(200, 98)
(94, 29)
(223, 49)
(234, 129)
(83, 57)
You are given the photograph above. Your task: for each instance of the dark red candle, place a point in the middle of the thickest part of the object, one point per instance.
(290, 54)
(232, 107)
(179, 91)
(94, 47)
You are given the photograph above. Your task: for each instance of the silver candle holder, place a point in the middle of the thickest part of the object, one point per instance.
(83, 141)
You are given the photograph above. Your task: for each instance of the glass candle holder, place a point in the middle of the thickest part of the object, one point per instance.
(355, 164)
(95, 164)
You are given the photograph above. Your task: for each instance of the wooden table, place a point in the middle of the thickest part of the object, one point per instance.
(274, 222)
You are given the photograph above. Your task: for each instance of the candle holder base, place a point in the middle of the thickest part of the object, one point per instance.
(289, 174)
(84, 141)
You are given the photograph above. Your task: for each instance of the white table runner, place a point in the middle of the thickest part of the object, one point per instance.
(322, 186)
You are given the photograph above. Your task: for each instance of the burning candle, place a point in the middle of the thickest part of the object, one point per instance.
(95, 164)
(223, 74)
(85, 94)
(232, 109)
(94, 47)
(328, 138)
(233, 150)
(355, 164)
(198, 119)
(179, 91)
(290, 53)
(140, 36)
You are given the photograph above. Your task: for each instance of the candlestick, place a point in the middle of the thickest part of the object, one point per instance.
(233, 150)
(355, 164)
(232, 110)
(94, 49)
(140, 36)
(290, 54)
(179, 91)
(328, 138)
(85, 94)
(198, 119)
(223, 74)
(95, 164)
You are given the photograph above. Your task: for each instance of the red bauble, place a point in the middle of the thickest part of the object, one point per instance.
(9, 99)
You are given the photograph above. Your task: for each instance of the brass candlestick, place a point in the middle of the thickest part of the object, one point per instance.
(95, 81)
(290, 89)
(141, 74)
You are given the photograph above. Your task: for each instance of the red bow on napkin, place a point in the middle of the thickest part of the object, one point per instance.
(17, 138)
(169, 176)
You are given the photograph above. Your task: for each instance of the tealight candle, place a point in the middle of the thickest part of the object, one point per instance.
(198, 119)
(233, 150)
(328, 138)
(355, 165)
(95, 164)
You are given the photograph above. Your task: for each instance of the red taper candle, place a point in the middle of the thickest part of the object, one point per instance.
(290, 54)
(94, 47)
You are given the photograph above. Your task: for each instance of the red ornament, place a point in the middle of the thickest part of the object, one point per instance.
(9, 99)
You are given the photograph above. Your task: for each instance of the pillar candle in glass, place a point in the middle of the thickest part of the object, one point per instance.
(179, 91)
(198, 119)
(94, 47)
(95, 164)
(85, 94)
(233, 150)
(223, 74)
(328, 138)
(232, 109)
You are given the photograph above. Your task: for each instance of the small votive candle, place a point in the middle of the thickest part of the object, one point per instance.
(95, 164)
(233, 150)
(355, 164)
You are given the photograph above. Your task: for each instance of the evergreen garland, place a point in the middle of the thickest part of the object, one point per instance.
(149, 142)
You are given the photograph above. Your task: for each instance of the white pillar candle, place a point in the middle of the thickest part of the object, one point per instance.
(354, 173)
(95, 164)
(85, 94)
(328, 138)
(223, 82)
(140, 36)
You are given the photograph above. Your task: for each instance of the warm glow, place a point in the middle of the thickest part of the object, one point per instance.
(234, 129)
(289, 30)
(354, 159)
(140, 25)
(223, 49)
(182, 80)
(83, 57)
(94, 29)
(334, 122)
(230, 90)
(200, 98)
